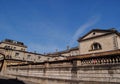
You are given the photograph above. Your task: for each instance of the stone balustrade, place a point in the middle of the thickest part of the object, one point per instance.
(103, 60)
(104, 70)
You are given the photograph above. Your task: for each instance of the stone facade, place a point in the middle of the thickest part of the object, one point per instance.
(95, 41)
(67, 71)
(18, 51)
(107, 40)
(95, 61)
(74, 51)
(11, 44)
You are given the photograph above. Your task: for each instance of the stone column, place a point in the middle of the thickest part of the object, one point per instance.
(4, 68)
(74, 70)
(78, 62)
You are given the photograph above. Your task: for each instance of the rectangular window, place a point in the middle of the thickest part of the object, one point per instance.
(22, 49)
(14, 48)
(16, 54)
(39, 57)
(28, 56)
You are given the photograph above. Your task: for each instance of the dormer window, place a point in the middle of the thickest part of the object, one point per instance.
(96, 46)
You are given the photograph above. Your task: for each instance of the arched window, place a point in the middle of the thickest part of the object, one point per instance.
(96, 46)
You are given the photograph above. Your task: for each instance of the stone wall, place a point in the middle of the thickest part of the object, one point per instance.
(67, 72)
(106, 43)
(27, 56)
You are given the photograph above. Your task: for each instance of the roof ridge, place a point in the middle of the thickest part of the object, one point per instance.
(111, 30)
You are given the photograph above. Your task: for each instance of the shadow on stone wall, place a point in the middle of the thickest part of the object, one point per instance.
(11, 81)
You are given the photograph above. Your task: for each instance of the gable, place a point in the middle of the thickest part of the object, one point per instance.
(96, 33)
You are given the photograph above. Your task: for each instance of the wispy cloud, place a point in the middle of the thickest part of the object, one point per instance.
(91, 21)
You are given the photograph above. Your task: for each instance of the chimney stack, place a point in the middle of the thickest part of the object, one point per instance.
(68, 47)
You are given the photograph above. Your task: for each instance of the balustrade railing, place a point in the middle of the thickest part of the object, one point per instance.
(104, 60)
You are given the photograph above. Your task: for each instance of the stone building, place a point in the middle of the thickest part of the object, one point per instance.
(11, 44)
(98, 40)
(95, 61)
(74, 51)
(16, 50)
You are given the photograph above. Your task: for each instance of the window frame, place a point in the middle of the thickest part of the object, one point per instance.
(95, 46)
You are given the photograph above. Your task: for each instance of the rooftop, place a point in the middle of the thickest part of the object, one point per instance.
(13, 42)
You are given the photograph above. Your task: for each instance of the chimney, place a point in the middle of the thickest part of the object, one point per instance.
(68, 47)
(56, 50)
(113, 29)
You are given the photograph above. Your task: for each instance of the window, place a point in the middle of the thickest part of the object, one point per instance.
(39, 57)
(16, 54)
(14, 48)
(22, 49)
(7, 47)
(96, 46)
(28, 56)
(93, 33)
(23, 58)
(48, 59)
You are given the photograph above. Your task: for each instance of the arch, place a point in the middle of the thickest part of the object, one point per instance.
(96, 46)
(2, 61)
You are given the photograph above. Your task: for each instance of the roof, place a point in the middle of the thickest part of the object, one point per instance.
(93, 55)
(64, 51)
(79, 57)
(13, 42)
(109, 31)
(24, 52)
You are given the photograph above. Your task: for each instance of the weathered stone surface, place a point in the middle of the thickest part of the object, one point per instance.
(96, 74)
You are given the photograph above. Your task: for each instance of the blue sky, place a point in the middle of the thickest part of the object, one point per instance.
(47, 25)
